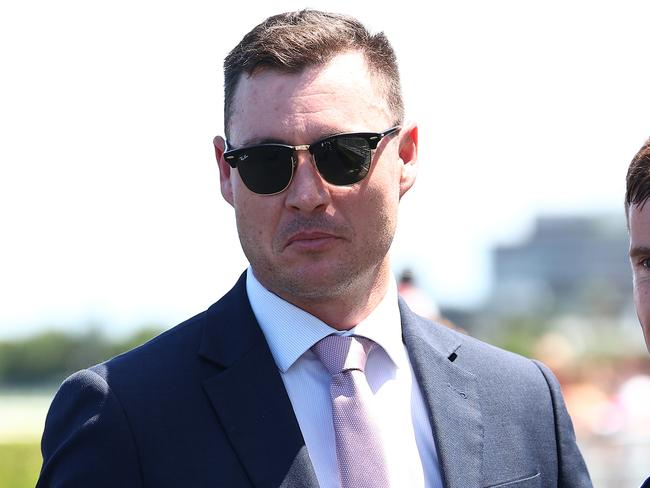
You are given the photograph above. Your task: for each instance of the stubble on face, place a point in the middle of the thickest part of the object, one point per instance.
(326, 276)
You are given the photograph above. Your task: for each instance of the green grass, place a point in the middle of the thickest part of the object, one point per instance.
(19, 465)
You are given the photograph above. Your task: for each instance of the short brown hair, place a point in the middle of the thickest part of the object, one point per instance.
(293, 41)
(638, 179)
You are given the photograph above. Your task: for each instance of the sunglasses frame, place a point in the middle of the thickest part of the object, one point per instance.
(232, 156)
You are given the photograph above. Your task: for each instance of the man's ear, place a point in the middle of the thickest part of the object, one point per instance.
(408, 154)
(224, 169)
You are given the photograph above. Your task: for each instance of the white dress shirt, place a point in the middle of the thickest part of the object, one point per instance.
(401, 412)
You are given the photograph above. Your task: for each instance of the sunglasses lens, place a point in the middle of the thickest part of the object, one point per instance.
(265, 170)
(343, 160)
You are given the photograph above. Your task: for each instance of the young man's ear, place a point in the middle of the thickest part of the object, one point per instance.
(408, 154)
(224, 169)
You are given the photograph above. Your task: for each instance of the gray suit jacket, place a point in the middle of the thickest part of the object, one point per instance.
(203, 405)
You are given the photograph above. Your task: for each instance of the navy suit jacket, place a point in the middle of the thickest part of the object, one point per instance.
(203, 405)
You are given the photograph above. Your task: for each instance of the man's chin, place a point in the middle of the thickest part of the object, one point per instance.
(310, 283)
(318, 286)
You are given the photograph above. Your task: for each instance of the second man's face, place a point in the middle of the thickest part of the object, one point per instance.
(639, 221)
(315, 240)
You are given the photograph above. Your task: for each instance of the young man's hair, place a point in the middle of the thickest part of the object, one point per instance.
(293, 41)
(638, 179)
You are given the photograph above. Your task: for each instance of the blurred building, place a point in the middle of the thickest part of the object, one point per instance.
(567, 265)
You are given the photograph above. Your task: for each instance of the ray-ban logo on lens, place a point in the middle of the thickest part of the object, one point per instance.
(243, 156)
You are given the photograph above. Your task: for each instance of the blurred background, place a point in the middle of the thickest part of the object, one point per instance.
(113, 227)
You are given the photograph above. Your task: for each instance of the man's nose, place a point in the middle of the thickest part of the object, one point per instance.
(308, 191)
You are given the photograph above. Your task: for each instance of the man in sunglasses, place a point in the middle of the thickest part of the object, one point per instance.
(311, 371)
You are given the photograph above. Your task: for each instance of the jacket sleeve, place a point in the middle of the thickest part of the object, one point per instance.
(87, 439)
(572, 471)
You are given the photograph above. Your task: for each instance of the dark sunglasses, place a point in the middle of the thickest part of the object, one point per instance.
(342, 159)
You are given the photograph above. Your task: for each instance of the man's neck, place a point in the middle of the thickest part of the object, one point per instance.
(346, 309)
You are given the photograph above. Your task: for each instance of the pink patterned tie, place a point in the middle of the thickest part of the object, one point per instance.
(358, 446)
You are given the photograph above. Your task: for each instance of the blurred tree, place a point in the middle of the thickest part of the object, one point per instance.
(49, 357)
(519, 334)
(136, 339)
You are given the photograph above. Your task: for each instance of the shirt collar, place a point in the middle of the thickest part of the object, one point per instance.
(290, 331)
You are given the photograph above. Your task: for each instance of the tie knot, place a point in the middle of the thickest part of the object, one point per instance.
(342, 353)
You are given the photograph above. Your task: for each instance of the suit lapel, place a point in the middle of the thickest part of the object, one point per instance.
(250, 400)
(249, 397)
(452, 399)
